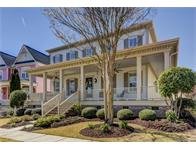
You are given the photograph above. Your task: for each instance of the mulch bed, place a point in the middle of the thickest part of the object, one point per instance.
(64, 122)
(163, 125)
(8, 126)
(114, 132)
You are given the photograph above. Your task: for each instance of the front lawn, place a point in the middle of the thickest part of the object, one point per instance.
(4, 121)
(141, 134)
(7, 140)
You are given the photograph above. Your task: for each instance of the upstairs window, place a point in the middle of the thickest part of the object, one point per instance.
(57, 58)
(1, 75)
(24, 75)
(71, 55)
(88, 52)
(133, 41)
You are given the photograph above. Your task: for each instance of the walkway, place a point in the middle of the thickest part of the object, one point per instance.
(17, 134)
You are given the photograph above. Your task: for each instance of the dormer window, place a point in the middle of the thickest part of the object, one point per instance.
(71, 55)
(133, 41)
(57, 58)
(88, 52)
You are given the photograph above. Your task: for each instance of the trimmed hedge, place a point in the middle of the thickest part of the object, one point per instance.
(147, 114)
(100, 114)
(28, 112)
(47, 121)
(17, 98)
(36, 111)
(89, 112)
(124, 114)
(20, 112)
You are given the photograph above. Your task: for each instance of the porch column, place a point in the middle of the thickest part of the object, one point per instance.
(44, 85)
(61, 80)
(139, 71)
(30, 84)
(166, 60)
(82, 82)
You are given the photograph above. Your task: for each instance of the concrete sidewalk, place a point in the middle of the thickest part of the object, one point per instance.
(17, 134)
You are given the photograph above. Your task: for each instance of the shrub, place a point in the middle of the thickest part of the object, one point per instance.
(10, 112)
(124, 114)
(17, 98)
(123, 124)
(47, 121)
(28, 112)
(26, 118)
(35, 116)
(171, 116)
(100, 114)
(89, 112)
(147, 114)
(174, 81)
(14, 120)
(91, 126)
(36, 111)
(105, 128)
(20, 112)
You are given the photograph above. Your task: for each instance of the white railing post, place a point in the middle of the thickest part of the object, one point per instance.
(59, 104)
(42, 107)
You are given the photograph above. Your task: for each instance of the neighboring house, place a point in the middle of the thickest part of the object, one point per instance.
(26, 59)
(6, 61)
(140, 57)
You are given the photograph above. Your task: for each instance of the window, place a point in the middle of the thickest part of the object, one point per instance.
(24, 75)
(57, 58)
(132, 80)
(88, 52)
(71, 55)
(133, 41)
(1, 75)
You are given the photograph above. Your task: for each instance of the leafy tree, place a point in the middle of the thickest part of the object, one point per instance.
(15, 81)
(105, 26)
(175, 82)
(17, 98)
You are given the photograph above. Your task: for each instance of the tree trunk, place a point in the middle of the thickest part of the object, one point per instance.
(108, 92)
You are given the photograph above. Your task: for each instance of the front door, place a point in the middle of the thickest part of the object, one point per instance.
(89, 87)
(71, 86)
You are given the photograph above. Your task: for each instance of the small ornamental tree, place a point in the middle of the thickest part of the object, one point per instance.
(175, 82)
(17, 98)
(15, 81)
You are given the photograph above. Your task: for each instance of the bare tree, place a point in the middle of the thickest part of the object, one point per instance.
(104, 26)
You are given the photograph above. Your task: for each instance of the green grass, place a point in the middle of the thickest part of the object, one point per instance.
(7, 140)
(141, 135)
(4, 121)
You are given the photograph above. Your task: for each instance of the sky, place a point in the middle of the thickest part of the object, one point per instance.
(29, 26)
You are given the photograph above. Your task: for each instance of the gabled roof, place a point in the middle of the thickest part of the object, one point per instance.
(144, 25)
(7, 58)
(38, 56)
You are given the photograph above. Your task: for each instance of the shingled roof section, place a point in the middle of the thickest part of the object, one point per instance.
(8, 59)
(38, 56)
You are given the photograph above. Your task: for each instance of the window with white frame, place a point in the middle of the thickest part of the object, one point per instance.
(24, 74)
(71, 55)
(88, 52)
(133, 41)
(1, 75)
(57, 58)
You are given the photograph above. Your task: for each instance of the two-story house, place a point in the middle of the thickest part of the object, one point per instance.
(6, 62)
(26, 59)
(140, 59)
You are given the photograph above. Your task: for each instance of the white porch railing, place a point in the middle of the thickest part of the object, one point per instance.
(125, 93)
(68, 102)
(51, 104)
